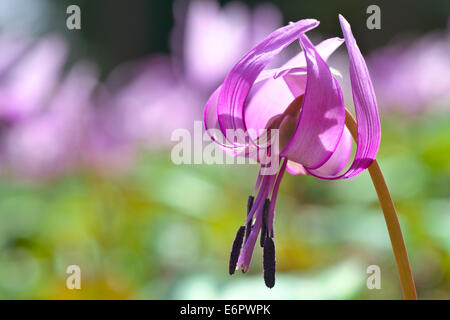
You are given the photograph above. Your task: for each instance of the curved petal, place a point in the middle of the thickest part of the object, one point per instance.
(295, 168)
(210, 121)
(239, 81)
(322, 116)
(368, 120)
(325, 49)
(210, 115)
(340, 157)
(269, 74)
(335, 164)
(298, 62)
(270, 100)
(282, 86)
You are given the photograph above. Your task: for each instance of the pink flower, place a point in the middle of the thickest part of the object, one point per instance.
(304, 102)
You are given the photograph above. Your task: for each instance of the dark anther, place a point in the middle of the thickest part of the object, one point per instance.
(250, 203)
(264, 226)
(236, 249)
(248, 227)
(269, 262)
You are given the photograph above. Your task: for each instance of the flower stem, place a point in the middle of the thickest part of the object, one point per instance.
(392, 223)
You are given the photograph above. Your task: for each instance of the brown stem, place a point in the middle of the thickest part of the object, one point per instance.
(392, 223)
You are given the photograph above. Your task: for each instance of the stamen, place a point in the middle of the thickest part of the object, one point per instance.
(250, 201)
(247, 251)
(248, 227)
(276, 187)
(269, 262)
(236, 249)
(258, 182)
(264, 227)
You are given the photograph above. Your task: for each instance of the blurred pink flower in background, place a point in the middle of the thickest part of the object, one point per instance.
(140, 105)
(12, 47)
(405, 74)
(49, 142)
(106, 148)
(50, 127)
(151, 101)
(210, 39)
(27, 79)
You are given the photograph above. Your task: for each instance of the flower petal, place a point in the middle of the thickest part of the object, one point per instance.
(239, 81)
(282, 86)
(368, 121)
(340, 157)
(325, 49)
(270, 100)
(210, 121)
(322, 116)
(295, 168)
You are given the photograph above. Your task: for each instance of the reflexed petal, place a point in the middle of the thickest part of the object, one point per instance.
(325, 49)
(322, 116)
(210, 113)
(368, 121)
(340, 157)
(295, 168)
(239, 81)
(269, 74)
(298, 63)
(210, 122)
(282, 86)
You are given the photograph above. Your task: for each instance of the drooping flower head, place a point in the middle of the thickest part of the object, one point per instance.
(302, 102)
